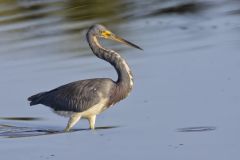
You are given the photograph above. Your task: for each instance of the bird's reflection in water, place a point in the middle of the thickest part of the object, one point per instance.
(13, 131)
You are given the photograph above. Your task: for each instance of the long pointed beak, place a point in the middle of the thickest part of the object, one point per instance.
(121, 40)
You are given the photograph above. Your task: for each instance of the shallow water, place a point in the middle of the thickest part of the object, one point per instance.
(185, 102)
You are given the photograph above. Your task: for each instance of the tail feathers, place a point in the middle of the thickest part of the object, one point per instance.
(35, 99)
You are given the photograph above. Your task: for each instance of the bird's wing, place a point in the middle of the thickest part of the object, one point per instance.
(77, 96)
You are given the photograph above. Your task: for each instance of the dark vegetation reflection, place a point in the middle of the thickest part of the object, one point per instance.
(56, 25)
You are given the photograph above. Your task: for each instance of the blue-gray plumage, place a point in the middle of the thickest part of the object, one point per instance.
(88, 98)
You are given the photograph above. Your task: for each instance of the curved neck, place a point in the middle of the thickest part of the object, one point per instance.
(125, 78)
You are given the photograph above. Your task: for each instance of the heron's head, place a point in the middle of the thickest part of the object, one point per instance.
(103, 32)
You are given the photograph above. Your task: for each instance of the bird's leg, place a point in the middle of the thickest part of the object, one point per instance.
(72, 121)
(91, 121)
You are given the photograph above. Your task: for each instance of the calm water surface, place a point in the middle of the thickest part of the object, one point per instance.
(186, 98)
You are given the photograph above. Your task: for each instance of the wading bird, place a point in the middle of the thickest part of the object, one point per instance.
(88, 98)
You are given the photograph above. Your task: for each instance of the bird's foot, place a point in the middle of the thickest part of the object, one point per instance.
(92, 128)
(66, 129)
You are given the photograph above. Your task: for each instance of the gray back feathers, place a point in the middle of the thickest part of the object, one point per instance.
(76, 96)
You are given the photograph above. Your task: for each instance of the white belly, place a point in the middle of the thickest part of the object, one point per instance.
(94, 110)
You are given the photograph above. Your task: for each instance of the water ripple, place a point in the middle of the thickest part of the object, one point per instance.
(197, 129)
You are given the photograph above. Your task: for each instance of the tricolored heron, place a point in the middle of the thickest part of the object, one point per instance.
(88, 98)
